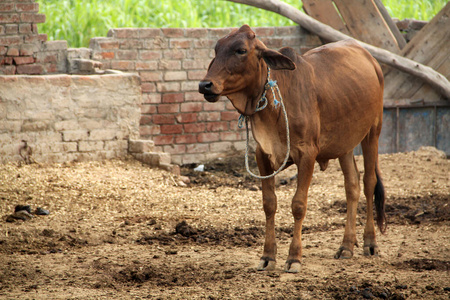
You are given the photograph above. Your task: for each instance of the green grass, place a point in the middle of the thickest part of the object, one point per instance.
(79, 20)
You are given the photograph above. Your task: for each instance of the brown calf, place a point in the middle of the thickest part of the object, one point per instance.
(333, 98)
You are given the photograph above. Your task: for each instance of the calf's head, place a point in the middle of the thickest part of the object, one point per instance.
(239, 70)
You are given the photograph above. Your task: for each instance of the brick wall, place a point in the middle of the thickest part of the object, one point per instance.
(22, 49)
(171, 62)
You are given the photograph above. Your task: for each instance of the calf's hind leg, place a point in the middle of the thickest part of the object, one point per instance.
(372, 182)
(352, 191)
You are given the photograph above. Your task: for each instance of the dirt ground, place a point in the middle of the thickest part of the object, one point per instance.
(121, 230)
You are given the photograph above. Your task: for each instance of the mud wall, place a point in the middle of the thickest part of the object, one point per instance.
(68, 118)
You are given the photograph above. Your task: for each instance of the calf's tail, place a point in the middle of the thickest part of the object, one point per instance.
(380, 198)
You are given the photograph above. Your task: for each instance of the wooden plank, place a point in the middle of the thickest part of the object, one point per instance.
(365, 22)
(428, 93)
(430, 46)
(392, 26)
(325, 12)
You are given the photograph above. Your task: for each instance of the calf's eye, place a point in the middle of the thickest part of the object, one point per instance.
(241, 51)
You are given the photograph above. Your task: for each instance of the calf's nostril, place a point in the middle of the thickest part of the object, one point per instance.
(205, 86)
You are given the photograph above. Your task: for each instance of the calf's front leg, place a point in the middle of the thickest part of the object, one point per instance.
(299, 204)
(268, 259)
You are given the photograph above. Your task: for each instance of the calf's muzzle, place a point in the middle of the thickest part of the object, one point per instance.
(205, 88)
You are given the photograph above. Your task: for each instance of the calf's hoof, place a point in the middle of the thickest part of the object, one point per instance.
(266, 264)
(343, 253)
(292, 266)
(370, 250)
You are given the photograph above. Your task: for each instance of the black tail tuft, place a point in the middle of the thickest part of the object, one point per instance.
(379, 203)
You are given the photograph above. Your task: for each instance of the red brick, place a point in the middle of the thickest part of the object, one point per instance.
(196, 32)
(219, 32)
(9, 18)
(187, 118)
(169, 65)
(168, 108)
(36, 38)
(6, 61)
(168, 87)
(173, 32)
(50, 68)
(146, 130)
(25, 28)
(27, 49)
(32, 18)
(131, 44)
(122, 65)
(163, 139)
(208, 116)
(148, 87)
(108, 44)
(174, 149)
(27, 7)
(204, 44)
(230, 136)
(148, 109)
(3, 50)
(197, 148)
(199, 64)
(208, 137)
(217, 126)
(126, 33)
(8, 7)
(145, 33)
(126, 54)
(180, 44)
(194, 128)
(7, 70)
(174, 54)
(164, 119)
(30, 69)
(171, 129)
(229, 115)
(191, 107)
(150, 76)
(186, 139)
(173, 98)
(144, 65)
(193, 96)
(151, 98)
(107, 55)
(145, 120)
(50, 58)
(12, 29)
(220, 106)
(149, 55)
(13, 51)
(23, 60)
(10, 40)
(196, 75)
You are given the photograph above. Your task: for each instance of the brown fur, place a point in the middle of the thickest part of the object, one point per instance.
(334, 100)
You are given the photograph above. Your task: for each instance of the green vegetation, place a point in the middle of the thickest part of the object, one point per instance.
(78, 20)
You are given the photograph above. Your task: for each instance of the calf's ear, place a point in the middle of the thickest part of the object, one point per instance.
(276, 60)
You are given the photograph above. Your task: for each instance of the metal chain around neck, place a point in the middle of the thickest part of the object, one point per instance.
(273, 86)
